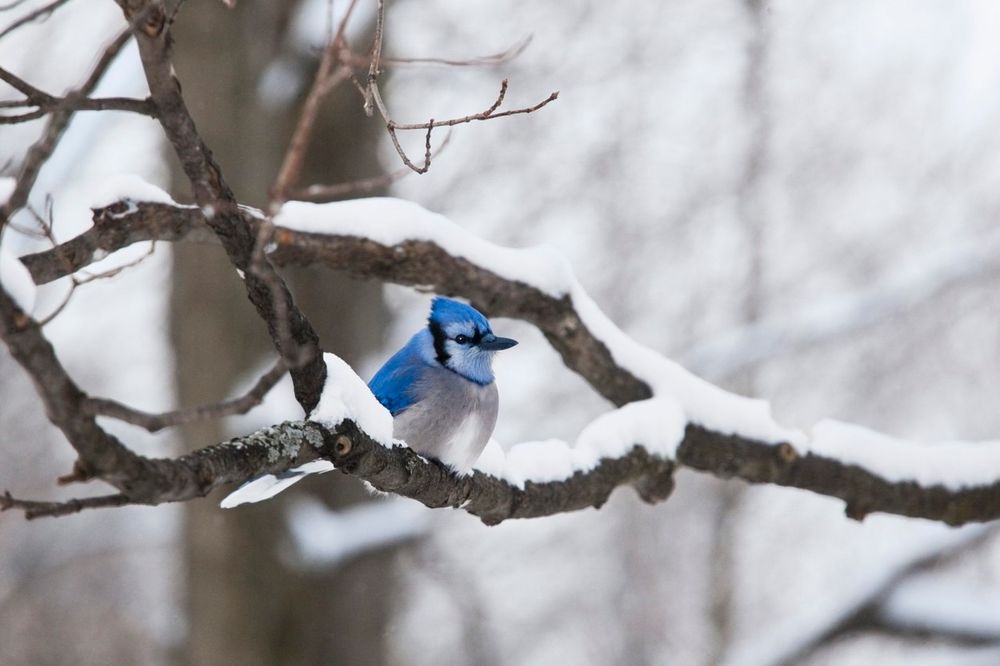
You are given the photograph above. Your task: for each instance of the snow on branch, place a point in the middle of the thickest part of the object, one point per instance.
(667, 418)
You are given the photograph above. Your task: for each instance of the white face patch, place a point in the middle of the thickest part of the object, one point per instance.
(466, 328)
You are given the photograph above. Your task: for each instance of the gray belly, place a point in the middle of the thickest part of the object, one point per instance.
(453, 420)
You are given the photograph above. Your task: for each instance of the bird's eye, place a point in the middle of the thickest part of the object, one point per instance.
(461, 339)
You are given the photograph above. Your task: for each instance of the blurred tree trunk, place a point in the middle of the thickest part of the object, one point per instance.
(245, 605)
(752, 216)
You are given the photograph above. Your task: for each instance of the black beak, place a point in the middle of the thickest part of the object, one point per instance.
(493, 343)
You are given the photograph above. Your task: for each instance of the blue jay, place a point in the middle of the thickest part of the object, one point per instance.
(439, 389)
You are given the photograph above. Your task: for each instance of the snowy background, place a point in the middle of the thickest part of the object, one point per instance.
(791, 200)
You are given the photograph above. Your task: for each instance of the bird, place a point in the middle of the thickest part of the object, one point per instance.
(439, 388)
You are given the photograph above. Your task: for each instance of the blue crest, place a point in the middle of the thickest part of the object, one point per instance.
(445, 311)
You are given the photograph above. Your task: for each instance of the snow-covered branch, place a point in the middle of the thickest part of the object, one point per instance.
(670, 418)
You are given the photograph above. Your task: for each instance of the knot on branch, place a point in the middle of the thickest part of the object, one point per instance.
(344, 446)
(658, 484)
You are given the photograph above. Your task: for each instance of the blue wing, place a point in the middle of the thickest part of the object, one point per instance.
(393, 385)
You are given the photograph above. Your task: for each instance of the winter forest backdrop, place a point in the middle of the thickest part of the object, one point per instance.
(795, 199)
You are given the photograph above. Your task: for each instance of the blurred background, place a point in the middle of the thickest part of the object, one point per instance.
(795, 199)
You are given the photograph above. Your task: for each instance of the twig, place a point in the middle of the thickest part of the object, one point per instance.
(326, 193)
(13, 4)
(477, 61)
(47, 103)
(40, 14)
(324, 82)
(373, 65)
(294, 354)
(488, 114)
(34, 509)
(373, 98)
(112, 272)
(156, 422)
(222, 212)
(45, 321)
(40, 152)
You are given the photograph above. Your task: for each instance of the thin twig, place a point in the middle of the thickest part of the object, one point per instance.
(34, 509)
(40, 14)
(291, 166)
(111, 272)
(488, 114)
(44, 321)
(392, 126)
(327, 193)
(156, 422)
(373, 99)
(294, 354)
(40, 152)
(476, 61)
(373, 66)
(14, 4)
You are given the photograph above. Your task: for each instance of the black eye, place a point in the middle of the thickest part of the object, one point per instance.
(461, 339)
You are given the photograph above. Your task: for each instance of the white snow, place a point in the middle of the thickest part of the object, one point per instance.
(680, 396)
(323, 537)
(346, 396)
(125, 187)
(267, 486)
(930, 603)
(950, 464)
(6, 189)
(656, 424)
(938, 270)
(390, 221)
(16, 280)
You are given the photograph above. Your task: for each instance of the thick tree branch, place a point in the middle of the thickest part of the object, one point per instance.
(410, 263)
(151, 26)
(425, 263)
(401, 471)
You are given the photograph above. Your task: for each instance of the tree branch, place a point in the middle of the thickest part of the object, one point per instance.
(722, 454)
(156, 422)
(409, 263)
(151, 25)
(40, 152)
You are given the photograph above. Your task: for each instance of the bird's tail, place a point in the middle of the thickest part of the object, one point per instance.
(269, 485)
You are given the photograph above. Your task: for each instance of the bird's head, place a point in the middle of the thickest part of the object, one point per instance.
(463, 339)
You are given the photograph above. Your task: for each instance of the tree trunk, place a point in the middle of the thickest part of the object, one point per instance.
(245, 605)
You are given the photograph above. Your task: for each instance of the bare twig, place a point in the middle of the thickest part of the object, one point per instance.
(14, 4)
(327, 78)
(294, 354)
(488, 114)
(46, 320)
(54, 130)
(325, 193)
(476, 61)
(112, 272)
(156, 422)
(34, 509)
(373, 65)
(40, 14)
(47, 103)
